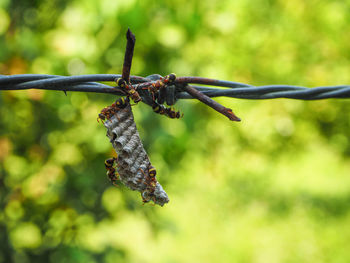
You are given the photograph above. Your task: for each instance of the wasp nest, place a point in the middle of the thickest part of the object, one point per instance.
(133, 164)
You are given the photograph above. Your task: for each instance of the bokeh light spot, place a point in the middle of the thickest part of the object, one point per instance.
(26, 235)
(171, 36)
(4, 21)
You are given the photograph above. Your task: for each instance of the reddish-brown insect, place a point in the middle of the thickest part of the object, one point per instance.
(168, 79)
(151, 183)
(128, 89)
(161, 83)
(111, 171)
(108, 112)
(169, 112)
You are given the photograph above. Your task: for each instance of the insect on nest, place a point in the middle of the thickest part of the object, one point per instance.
(133, 167)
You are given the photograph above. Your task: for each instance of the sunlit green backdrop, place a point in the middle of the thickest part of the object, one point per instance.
(273, 188)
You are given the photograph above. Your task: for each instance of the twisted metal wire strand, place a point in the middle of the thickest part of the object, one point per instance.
(276, 91)
(89, 83)
(83, 83)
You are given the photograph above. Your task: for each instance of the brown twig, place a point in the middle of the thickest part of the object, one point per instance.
(211, 103)
(129, 52)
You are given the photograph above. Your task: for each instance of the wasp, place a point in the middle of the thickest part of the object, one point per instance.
(151, 178)
(129, 89)
(151, 182)
(111, 171)
(171, 113)
(160, 84)
(152, 171)
(121, 103)
(108, 112)
(169, 79)
(163, 82)
(167, 111)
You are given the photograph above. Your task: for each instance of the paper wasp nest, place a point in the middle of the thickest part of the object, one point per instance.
(132, 162)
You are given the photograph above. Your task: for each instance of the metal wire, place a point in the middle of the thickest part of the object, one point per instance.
(274, 92)
(89, 83)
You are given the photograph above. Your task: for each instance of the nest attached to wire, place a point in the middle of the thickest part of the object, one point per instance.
(133, 162)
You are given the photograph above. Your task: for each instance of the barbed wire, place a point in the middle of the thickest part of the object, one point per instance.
(154, 90)
(90, 83)
(181, 88)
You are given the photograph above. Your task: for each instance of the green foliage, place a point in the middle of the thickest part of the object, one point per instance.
(273, 188)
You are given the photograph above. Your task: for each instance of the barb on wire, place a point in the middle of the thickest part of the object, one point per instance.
(123, 83)
(212, 103)
(129, 52)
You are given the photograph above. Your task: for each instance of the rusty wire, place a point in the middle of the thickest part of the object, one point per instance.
(90, 83)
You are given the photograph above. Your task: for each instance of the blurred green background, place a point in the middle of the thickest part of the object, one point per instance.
(273, 188)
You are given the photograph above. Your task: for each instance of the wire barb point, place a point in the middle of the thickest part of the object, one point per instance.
(211, 103)
(129, 52)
